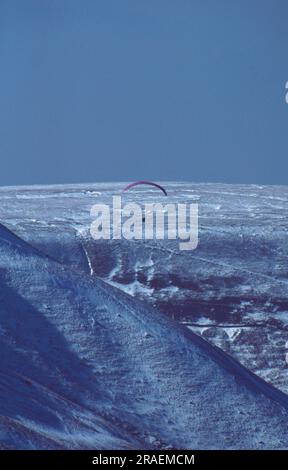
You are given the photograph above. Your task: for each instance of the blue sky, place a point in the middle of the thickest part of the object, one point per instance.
(153, 89)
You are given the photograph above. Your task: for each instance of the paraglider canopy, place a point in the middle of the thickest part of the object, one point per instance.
(150, 183)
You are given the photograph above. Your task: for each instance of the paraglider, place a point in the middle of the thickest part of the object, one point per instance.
(146, 218)
(150, 183)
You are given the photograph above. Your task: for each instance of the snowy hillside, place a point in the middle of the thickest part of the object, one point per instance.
(85, 365)
(232, 290)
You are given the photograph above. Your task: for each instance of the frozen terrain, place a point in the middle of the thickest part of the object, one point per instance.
(86, 365)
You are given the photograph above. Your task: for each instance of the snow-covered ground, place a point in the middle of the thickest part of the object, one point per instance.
(86, 365)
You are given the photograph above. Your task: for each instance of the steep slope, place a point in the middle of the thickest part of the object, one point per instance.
(83, 365)
(232, 289)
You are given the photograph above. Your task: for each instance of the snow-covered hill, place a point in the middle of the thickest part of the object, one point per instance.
(83, 365)
(232, 290)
